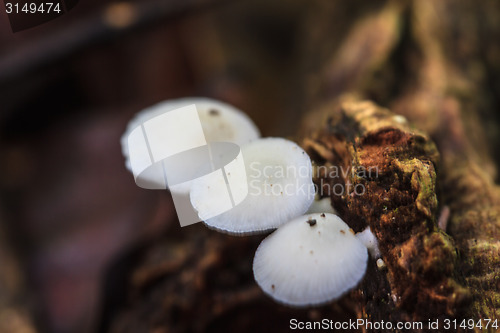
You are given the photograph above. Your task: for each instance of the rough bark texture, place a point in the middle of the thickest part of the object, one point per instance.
(442, 75)
(389, 184)
(198, 280)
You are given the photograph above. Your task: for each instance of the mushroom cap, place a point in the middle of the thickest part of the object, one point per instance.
(220, 121)
(280, 187)
(311, 260)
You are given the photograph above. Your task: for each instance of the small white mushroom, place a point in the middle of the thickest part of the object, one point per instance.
(321, 206)
(311, 260)
(370, 241)
(280, 187)
(220, 121)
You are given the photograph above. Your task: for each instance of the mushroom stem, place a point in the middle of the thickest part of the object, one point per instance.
(370, 241)
(323, 205)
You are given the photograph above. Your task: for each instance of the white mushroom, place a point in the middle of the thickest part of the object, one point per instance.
(280, 187)
(311, 260)
(220, 121)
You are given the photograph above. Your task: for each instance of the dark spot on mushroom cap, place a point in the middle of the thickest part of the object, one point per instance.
(272, 286)
(311, 252)
(342, 232)
(323, 215)
(213, 112)
(312, 222)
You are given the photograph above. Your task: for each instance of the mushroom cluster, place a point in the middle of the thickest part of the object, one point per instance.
(309, 259)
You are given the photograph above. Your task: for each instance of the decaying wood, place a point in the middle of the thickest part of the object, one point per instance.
(389, 183)
(200, 280)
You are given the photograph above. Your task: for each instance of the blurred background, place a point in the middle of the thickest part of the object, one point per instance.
(69, 209)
